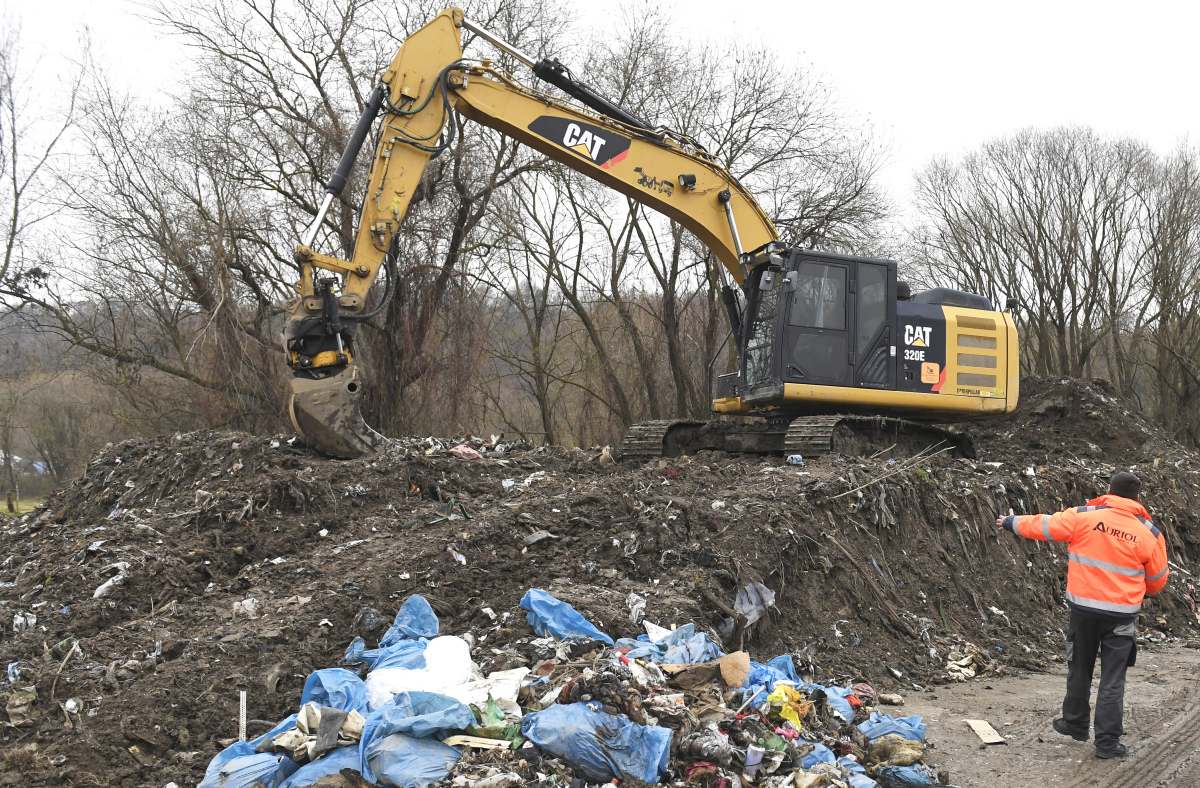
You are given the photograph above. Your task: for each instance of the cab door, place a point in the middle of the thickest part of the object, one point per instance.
(874, 316)
(817, 337)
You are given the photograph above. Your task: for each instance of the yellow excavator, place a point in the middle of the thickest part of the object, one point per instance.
(834, 352)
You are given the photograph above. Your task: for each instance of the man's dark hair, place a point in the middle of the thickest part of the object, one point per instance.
(1126, 485)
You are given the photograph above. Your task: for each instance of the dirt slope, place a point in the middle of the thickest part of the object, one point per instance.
(879, 567)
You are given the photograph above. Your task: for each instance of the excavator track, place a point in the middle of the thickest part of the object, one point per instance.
(646, 440)
(869, 435)
(808, 436)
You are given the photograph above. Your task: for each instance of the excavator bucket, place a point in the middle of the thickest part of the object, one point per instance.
(326, 414)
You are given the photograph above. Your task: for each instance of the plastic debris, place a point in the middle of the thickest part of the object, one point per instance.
(447, 665)
(332, 763)
(423, 715)
(683, 646)
(238, 766)
(904, 777)
(878, 725)
(404, 761)
(415, 619)
(753, 601)
(550, 617)
(122, 568)
(601, 747)
(23, 621)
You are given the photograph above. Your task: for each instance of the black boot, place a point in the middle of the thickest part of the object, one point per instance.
(1062, 727)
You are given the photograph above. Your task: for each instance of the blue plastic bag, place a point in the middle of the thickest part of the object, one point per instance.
(332, 763)
(405, 654)
(599, 746)
(405, 761)
(415, 619)
(336, 687)
(911, 728)
(238, 766)
(682, 647)
(904, 777)
(419, 714)
(764, 676)
(550, 616)
(820, 754)
(785, 666)
(856, 774)
(837, 699)
(286, 723)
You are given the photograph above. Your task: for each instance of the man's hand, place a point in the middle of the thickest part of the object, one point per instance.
(1000, 520)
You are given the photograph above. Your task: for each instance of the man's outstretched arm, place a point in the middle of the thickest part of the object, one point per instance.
(1059, 527)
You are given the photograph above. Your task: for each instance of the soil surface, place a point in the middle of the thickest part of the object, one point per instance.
(881, 567)
(1162, 725)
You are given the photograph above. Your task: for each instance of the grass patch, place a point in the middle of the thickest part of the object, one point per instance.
(23, 506)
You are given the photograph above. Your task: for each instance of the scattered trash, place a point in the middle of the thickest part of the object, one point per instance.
(782, 526)
(20, 702)
(465, 452)
(637, 607)
(550, 617)
(600, 747)
(536, 537)
(22, 622)
(239, 766)
(753, 601)
(447, 665)
(795, 459)
(247, 607)
(878, 725)
(122, 568)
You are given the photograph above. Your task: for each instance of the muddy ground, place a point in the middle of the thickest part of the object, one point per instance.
(1162, 724)
(881, 566)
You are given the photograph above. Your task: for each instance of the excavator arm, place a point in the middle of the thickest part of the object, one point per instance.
(425, 82)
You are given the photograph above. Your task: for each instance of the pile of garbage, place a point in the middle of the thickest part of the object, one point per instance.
(665, 708)
(179, 571)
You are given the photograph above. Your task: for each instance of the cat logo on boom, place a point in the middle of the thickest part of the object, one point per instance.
(595, 143)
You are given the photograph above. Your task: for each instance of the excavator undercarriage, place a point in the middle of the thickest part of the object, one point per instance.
(808, 436)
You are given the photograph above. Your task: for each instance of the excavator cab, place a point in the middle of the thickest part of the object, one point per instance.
(819, 319)
(835, 345)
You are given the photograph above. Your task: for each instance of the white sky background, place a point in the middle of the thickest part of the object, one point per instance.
(933, 77)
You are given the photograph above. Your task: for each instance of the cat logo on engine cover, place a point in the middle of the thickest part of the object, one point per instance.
(594, 143)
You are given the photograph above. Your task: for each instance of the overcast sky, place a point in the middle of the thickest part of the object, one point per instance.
(934, 77)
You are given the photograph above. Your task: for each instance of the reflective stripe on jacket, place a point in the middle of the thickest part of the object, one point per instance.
(1116, 555)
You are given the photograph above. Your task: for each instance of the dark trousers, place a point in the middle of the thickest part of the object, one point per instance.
(1115, 642)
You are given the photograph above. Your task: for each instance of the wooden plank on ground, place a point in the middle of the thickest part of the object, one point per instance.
(986, 733)
(477, 742)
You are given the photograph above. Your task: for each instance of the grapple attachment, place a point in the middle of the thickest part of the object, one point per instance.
(326, 414)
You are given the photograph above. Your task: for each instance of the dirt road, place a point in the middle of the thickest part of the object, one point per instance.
(1162, 728)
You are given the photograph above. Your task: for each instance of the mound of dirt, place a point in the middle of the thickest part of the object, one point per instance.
(1065, 419)
(880, 568)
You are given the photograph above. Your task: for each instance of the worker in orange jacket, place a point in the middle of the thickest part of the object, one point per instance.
(1115, 558)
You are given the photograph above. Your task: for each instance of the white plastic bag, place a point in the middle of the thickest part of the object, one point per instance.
(447, 665)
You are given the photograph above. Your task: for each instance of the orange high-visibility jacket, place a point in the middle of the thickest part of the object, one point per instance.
(1116, 554)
